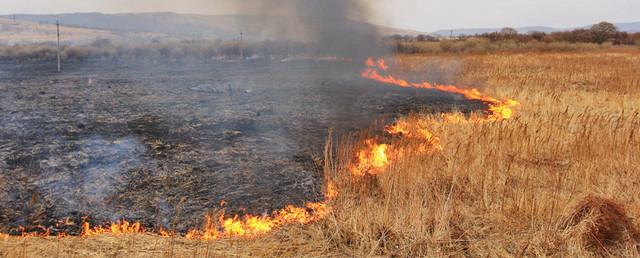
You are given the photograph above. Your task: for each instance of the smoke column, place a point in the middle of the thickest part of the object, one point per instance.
(331, 26)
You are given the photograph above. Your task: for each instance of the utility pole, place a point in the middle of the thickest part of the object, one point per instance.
(241, 46)
(15, 24)
(58, 32)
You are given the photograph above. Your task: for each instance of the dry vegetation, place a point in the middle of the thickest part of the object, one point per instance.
(106, 49)
(17, 32)
(558, 179)
(479, 45)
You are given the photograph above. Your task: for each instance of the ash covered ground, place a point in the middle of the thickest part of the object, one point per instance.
(165, 142)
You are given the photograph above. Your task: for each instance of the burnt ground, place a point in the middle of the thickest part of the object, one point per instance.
(165, 142)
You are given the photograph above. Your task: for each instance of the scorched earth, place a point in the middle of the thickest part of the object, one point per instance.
(167, 142)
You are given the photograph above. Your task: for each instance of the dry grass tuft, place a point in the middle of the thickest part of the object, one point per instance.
(602, 223)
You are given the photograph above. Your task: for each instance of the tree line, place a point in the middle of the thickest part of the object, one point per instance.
(603, 32)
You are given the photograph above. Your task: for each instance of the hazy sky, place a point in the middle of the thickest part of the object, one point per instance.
(425, 15)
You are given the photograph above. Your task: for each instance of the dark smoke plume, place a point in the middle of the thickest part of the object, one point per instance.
(339, 27)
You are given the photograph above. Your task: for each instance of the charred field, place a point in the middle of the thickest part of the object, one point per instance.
(407, 171)
(166, 142)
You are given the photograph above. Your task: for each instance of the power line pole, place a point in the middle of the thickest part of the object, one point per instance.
(15, 24)
(241, 46)
(58, 32)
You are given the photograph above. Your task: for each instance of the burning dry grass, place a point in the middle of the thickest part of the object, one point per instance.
(557, 179)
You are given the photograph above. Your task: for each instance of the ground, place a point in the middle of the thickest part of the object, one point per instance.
(166, 143)
(558, 179)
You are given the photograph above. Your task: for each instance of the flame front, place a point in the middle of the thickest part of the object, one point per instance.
(374, 157)
(116, 228)
(250, 225)
(498, 109)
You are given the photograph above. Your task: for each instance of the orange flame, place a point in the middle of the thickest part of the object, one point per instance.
(374, 157)
(498, 109)
(371, 159)
(380, 64)
(116, 228)
(251, 226)
(331, 192)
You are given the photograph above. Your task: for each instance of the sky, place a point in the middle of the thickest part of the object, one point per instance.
(422, 15)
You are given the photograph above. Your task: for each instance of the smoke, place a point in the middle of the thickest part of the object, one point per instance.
(339, 27)
(100, 167)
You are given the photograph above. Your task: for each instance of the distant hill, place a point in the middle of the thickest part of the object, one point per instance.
(212, 27)
(182, 26)
(628, 27)
(187, 26)
(17, 32)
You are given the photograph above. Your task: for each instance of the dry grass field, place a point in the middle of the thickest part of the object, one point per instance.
(14, 32)
(557, 179)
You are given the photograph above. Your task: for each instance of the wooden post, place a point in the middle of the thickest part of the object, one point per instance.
(241, 46)
(58, 32)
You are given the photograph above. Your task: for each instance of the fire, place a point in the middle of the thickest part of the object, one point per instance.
(427, 141)
(498, 109)
(251, 226)
(116, 228)
(373, 158)
(247, 226)
(331, 192)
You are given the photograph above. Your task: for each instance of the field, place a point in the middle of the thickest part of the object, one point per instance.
(556, 179)
(174, 139)
(15, 32)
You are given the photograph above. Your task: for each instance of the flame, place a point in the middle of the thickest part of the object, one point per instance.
(498, 109)
(165, 233)
(331, 192)
(251, 226)
(247, 226)
(374, 157)
(371, 159)
(380, 64)
(116, 228)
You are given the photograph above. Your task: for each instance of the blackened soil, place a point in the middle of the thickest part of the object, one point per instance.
(165, 142)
